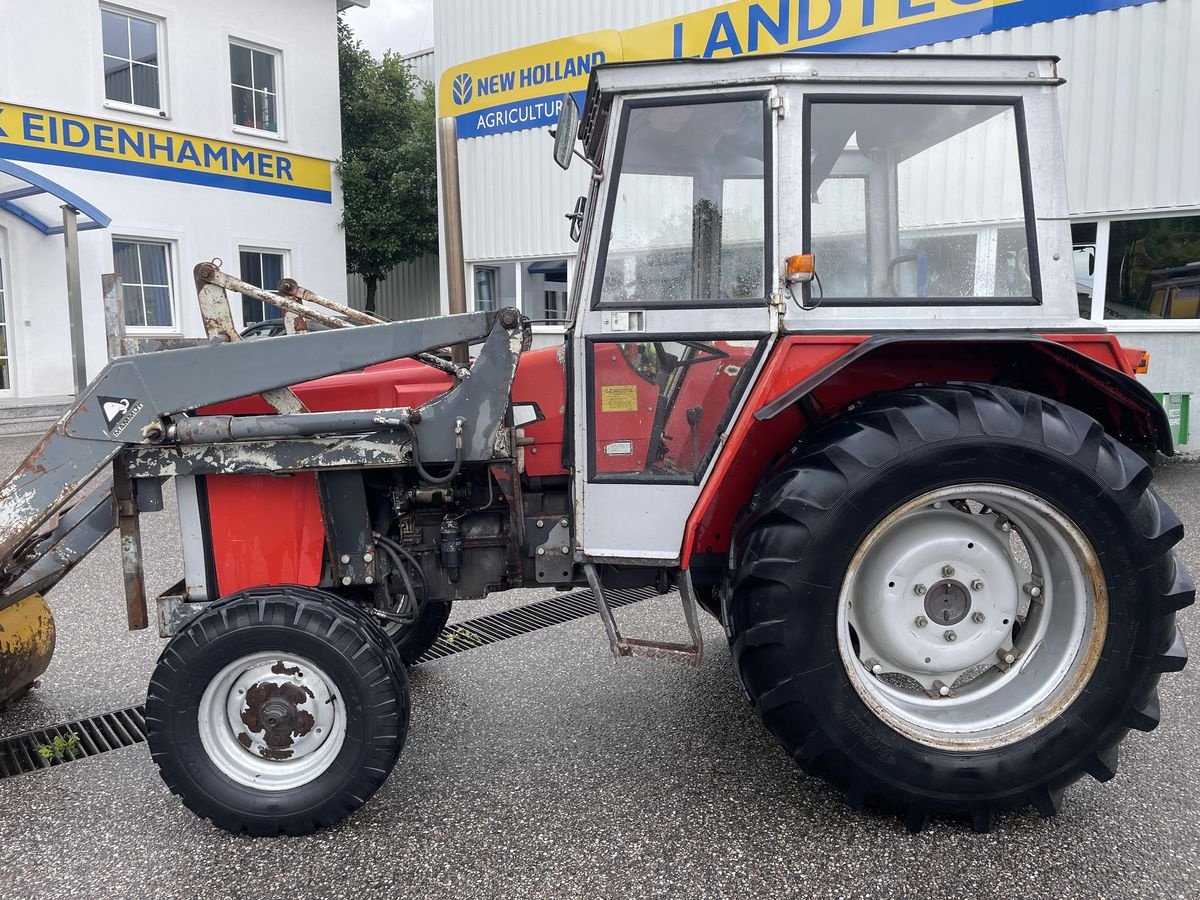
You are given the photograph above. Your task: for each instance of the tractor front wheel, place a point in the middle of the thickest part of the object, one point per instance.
(277, 711)
(957, 601)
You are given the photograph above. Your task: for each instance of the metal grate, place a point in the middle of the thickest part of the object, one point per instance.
(38, 749)
(22, 753)
(523, 619)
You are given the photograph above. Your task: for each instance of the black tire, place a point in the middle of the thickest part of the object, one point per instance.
(411, 641)
(333, 635)
(814, 509)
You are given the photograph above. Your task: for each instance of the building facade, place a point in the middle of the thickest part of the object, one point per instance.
(1129, 121)
(182, 132)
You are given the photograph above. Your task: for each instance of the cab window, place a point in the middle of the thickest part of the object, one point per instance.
(687, 214)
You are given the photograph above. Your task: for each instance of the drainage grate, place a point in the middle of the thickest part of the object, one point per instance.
(65, 743)
(523, 619)
(23, 753)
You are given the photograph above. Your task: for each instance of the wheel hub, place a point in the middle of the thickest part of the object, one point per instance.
(947, 603)
(271, 722)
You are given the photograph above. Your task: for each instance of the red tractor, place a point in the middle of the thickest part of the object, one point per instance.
(823, 373)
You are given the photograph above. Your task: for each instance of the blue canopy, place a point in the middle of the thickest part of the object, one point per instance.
(37, 184)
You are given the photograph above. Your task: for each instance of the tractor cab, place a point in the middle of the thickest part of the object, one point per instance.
(734, 203)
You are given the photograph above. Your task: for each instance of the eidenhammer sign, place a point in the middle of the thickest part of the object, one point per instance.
(523, 88)
(63, 139)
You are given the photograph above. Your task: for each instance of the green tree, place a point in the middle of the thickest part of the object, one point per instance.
(389, 162)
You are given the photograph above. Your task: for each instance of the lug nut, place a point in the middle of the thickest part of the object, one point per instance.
(977, 585)
(943, 690)
(1035, 591)
(950, 636)
(1005, 527)
(920, 590)
(921, 621)
(947, 571)
(1007, 656)
(875, 667)
(978, 618)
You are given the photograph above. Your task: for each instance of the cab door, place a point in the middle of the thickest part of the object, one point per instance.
(675, 315)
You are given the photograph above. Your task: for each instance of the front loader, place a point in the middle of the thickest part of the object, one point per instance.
(823, 373)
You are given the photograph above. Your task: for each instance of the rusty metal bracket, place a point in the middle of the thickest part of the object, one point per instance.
(692, 653)
(131, 547)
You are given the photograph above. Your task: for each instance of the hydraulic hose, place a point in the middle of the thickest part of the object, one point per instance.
(416, 450)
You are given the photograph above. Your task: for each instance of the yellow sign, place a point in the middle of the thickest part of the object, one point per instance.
(63, 139)
(524, 88)
(618, 398)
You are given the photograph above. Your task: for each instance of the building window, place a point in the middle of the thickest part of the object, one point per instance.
(1153, 269)
(145, 270)
(131, 59)
(544, 283)
(255, 93)
(1083, 240)
(263, 269)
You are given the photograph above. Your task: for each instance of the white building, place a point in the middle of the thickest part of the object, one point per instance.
(1133, 88)
(182, 131)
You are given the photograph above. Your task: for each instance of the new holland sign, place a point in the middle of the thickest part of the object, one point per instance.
(80, 142)
(523, 88)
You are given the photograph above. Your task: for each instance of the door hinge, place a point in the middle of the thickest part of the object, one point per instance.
(779, 104)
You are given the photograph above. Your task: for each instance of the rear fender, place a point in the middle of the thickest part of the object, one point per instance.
(809, 379)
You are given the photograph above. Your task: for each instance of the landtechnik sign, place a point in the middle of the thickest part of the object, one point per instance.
(523, 88)
(80, 142)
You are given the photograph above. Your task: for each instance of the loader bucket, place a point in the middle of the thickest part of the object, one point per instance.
(26, 644)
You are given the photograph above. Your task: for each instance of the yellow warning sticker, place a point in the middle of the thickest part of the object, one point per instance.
(618, 398)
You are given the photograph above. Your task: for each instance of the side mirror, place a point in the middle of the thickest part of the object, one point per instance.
(566, 132)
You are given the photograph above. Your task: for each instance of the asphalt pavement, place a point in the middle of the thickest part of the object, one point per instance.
(541, 767)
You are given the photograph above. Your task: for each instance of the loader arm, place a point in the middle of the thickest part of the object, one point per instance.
(134, 400)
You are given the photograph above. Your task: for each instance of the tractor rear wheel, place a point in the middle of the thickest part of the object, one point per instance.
(277, 711)
(956, 601)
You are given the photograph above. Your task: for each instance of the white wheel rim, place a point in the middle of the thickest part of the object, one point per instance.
(972, 616)
(272, 721)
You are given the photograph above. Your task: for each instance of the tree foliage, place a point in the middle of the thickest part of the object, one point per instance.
(389, 162)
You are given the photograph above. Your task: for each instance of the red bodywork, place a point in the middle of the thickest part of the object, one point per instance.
(267, 529)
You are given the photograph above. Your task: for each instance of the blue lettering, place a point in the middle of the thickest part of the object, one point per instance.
(3, 133)
(75, 133)
(103, 138)
(187, 153)
(583, 65)
(507, 80)
(569, 68)
(776, 28)
(32, 127)
(677, 35)
(265, 165)
(216, 155)
(723, 25)
(526, 78)
(283, 166)
(804, 27)
(168, 148)
(907, 10)
(54, 129)
(868, 17)
(244, 159)
(126, 140)
(598, 58)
